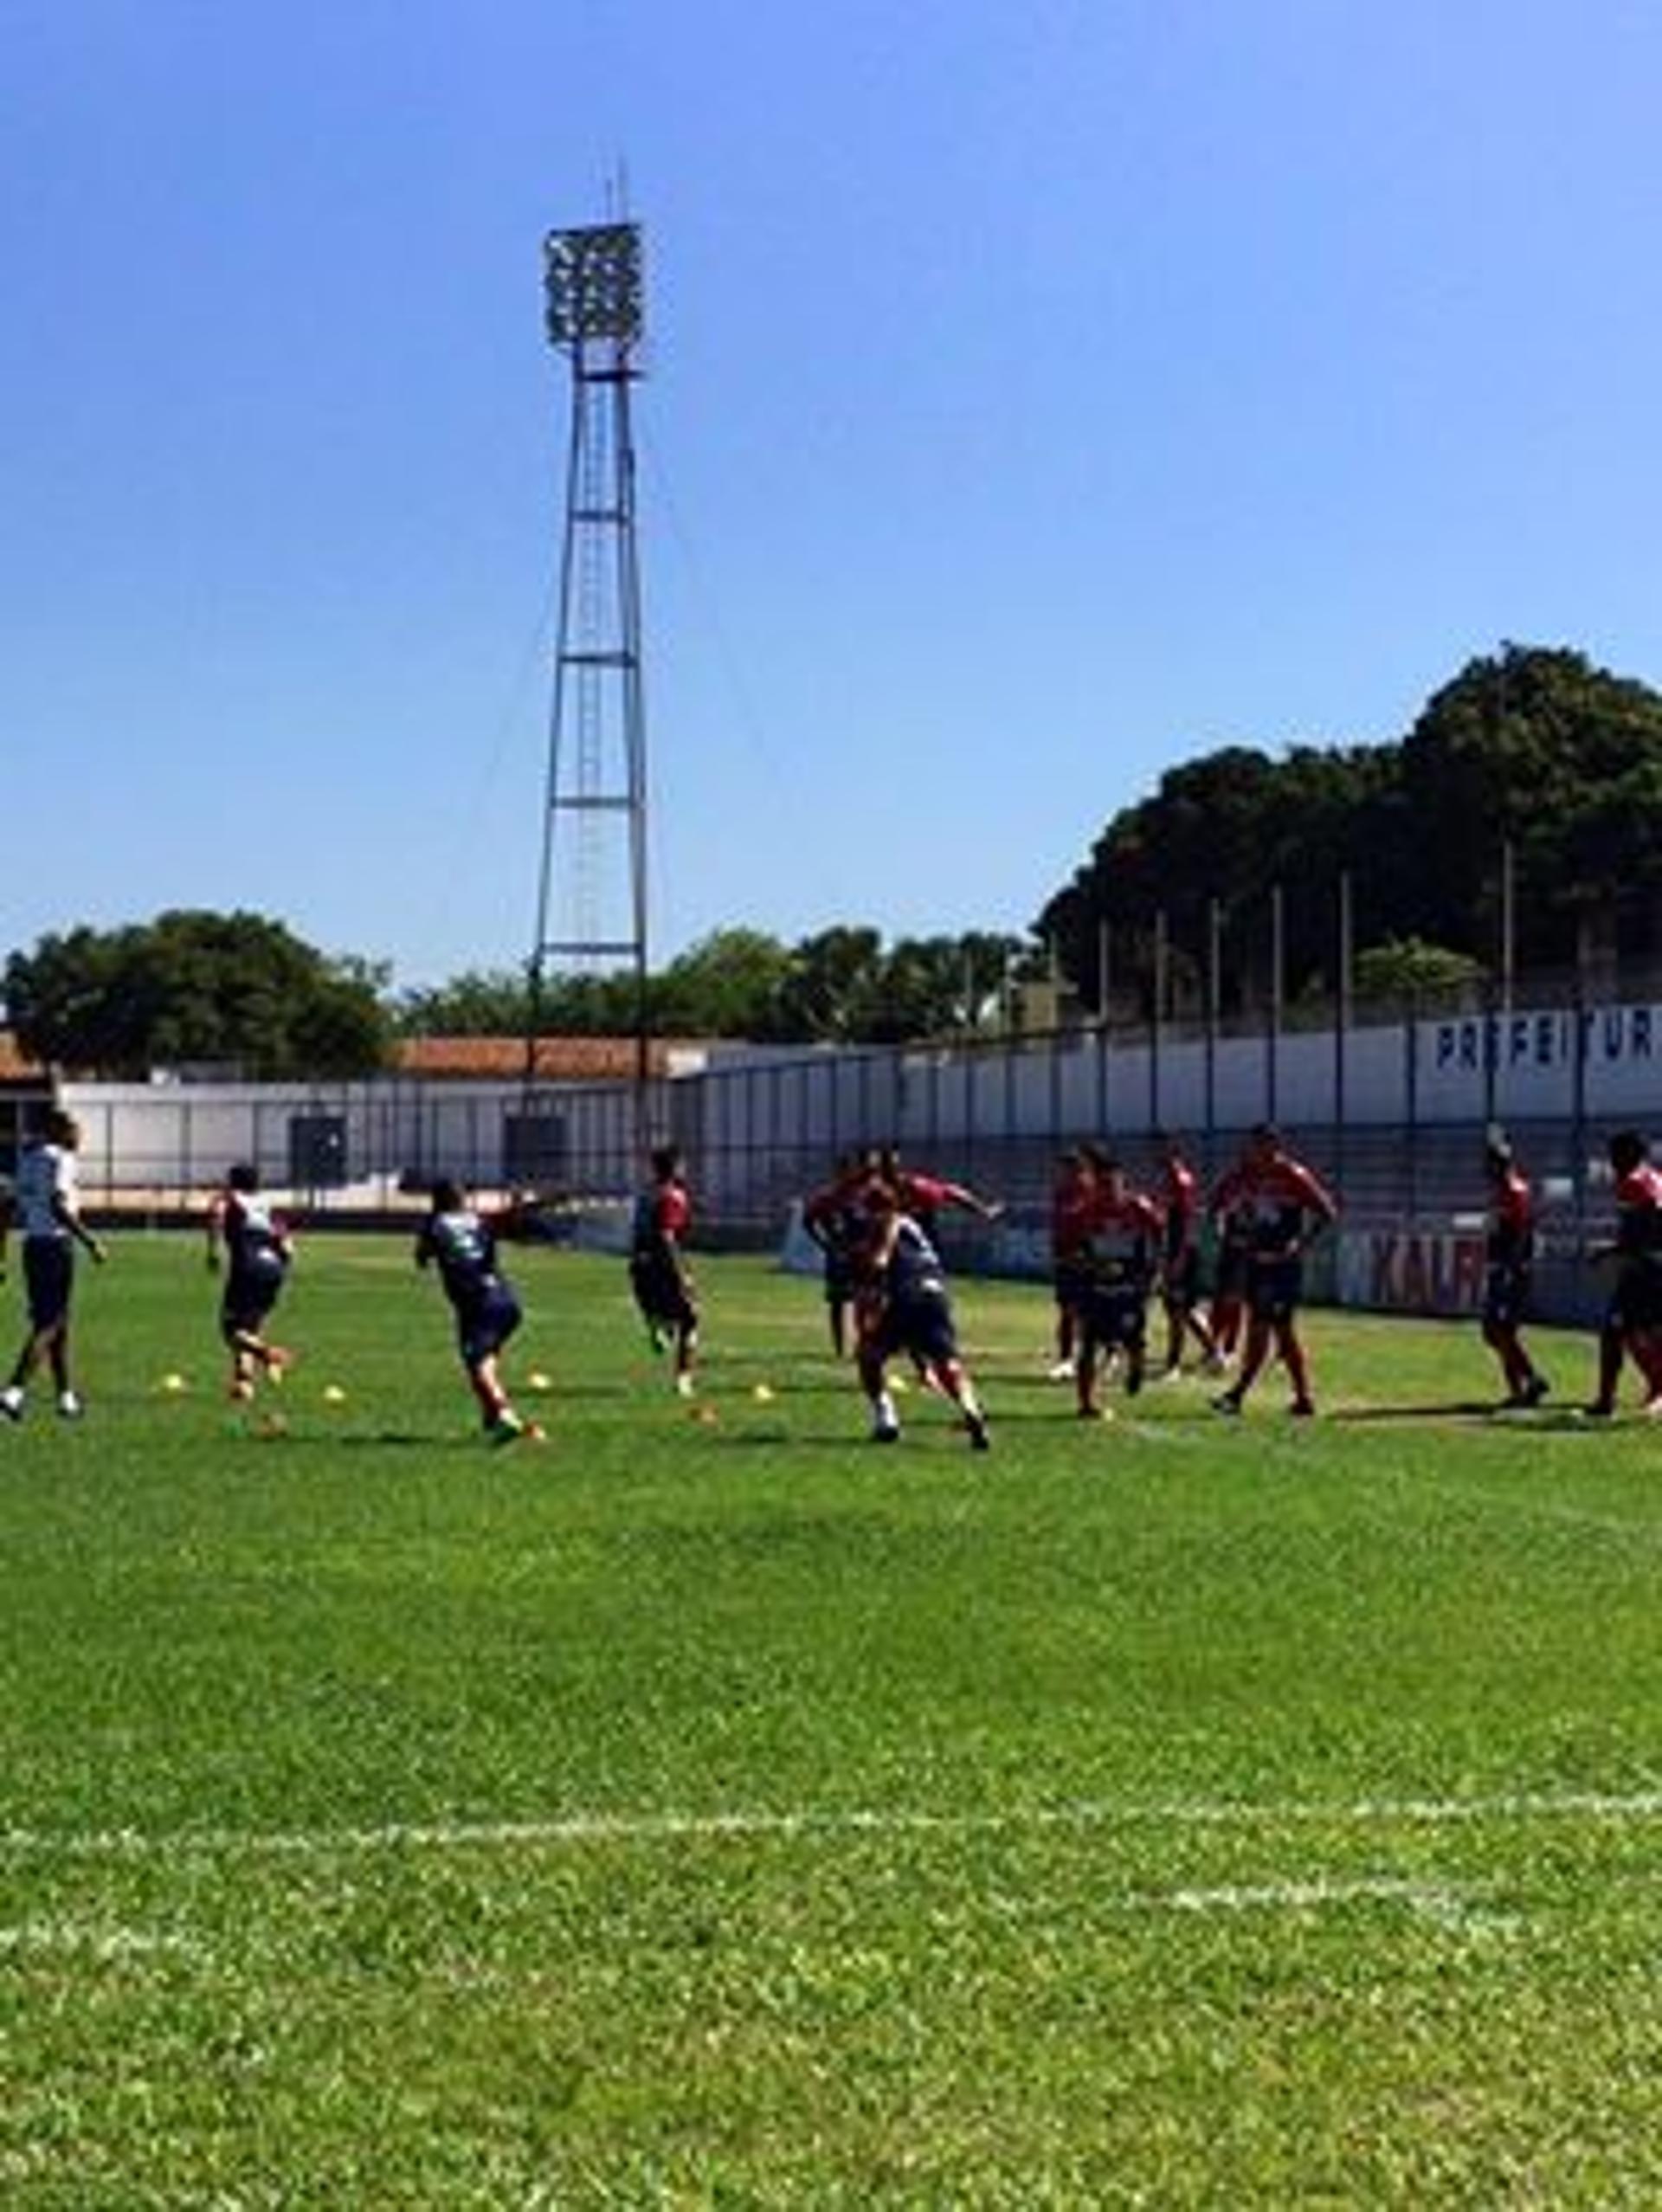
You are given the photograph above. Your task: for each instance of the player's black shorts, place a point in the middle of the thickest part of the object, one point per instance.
(1274, 1287)
(485, 1324)
(250, 1292)
(920, 1326)
(49, 1277)
(1071, 1279)
(660, 1292)
(1114, 1316)
(1636, 1302)
(1505, 1295)
(839, 1285)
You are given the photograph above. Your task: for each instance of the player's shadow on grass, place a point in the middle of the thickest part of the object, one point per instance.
(395, 1440)
(921, 1435)
(782, 1440)
(846, 1385)
(575, 1393)
(1444, 1409)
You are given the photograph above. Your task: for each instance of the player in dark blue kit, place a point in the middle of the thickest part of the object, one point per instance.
(461, 1243)
(904, 1308)
(44, 1207)
(257, 1249)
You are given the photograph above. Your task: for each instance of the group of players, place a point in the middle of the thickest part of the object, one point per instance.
(1114, 1249)
(252, 1247)
(1112, 1246)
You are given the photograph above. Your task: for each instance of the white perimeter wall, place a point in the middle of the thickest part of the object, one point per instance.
(788, 1109)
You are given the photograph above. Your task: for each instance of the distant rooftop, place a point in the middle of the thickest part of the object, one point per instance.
(560, 1059)
(15, 1066)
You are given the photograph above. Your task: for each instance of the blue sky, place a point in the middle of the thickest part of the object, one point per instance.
(1038, 396)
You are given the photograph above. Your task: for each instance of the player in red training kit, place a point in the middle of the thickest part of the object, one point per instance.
(1632, 1319)
(1509, 1252)
(1180, 1274)
(659, 1274)
(1119, 1232)
(1287, 1204)
(1067, 1197)
(923, 1197)
(832, 1217)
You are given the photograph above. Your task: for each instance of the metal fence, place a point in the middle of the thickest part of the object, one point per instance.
(1389, 1099)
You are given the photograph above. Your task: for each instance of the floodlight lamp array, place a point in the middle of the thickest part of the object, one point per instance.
(593, 282)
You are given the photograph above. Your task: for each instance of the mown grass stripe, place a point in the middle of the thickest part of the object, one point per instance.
(579, 1829)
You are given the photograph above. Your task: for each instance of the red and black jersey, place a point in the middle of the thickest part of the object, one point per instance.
(1274, 1196)
(663, 1216)
(1068, 1201)
(1511, 1239)
(1638, 1213)
(1119, 1237)
(836, 1217)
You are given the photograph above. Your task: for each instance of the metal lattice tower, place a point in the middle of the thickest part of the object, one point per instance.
(591, 908)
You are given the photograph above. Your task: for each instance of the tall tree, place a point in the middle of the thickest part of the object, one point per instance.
(1530, 748)
(197, 986)
(829, 989)
(1560, 759)
(479, 1002)
(727, 985)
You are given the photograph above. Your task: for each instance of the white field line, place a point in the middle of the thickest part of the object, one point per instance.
(577, 1830)
(1444, 1904)
(38, 1937)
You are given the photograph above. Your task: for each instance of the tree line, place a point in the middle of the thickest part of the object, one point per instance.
(1524, 803)
(240, 991)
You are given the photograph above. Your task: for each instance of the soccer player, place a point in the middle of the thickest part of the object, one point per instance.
(1286, 1205)
(47, 1217)
(242, 1229)
(923, 1197)
(1632, 1319)
(1180, 1270)
(1120, 1236)
(1068, 1196)
(832, 1217)
(1509, 1254)
(460, 1242)
(659, 1274)
(904, 1307)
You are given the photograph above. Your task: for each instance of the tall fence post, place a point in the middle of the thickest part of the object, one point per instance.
(1272, 1041)
(1156, 1016)
(1213, 1008)
(1411, 1084)
(1342, 1024)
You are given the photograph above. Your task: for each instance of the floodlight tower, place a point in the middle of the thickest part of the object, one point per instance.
(592, 905)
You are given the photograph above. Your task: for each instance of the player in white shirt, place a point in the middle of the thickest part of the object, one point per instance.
(47, 1217)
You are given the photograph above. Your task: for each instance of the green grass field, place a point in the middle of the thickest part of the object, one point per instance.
(721, 1811)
